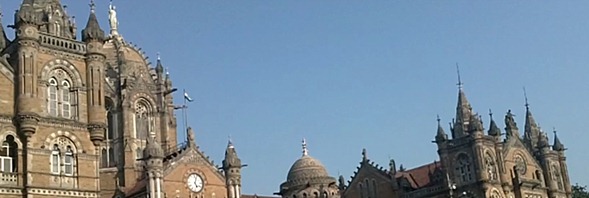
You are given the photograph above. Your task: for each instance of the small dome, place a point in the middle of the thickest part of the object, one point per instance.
(153, 150)
(306, 167)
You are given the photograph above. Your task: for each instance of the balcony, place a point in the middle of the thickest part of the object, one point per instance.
(8, 178)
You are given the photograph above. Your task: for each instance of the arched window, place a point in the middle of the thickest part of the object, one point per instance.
(69, 161)
(374, 190)
(8, 155)
(142, 120)
(55, 159)
(57, 28)
(491, 166)
(361, 190)
(52, 97)
(464, 168)
(63, 157)
(60, 98)
(65, 99)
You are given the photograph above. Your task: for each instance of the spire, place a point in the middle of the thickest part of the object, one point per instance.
(231, 158)
(159, 68)
(493, 129)
(92, 30)
(531, 130)
(305, 151)
(441, 134)
(463, 110)
(543, 141)
(558, 146)
(364, 155)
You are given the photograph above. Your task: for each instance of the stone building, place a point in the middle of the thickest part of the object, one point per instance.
(474, 163)
(91, 117)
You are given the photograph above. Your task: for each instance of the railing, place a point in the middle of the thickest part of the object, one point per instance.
(63, 44)
(175, 148)
(8, 178)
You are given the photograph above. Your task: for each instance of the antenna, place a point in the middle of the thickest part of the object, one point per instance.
(459, 80)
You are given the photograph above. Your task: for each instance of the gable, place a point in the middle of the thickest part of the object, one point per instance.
(369, 175)
(194, 159)
(514, 148)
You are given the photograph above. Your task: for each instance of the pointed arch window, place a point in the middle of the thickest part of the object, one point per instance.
(8, 154)
(464, 168)
(103, 158)
(143, 120)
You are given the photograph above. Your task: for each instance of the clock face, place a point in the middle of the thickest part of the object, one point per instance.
(195, 182)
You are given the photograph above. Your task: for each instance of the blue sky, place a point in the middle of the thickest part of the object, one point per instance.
(349, 75)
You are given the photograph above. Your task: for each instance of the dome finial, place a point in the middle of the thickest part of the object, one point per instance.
(305, 151)
(92, 6)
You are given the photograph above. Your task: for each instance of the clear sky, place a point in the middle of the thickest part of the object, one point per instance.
(349, 75)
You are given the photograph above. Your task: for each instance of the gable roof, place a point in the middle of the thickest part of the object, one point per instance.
(420, 176)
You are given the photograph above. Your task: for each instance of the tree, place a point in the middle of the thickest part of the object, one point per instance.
(580, 191)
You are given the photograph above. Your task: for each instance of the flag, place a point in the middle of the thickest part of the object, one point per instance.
(186, 97)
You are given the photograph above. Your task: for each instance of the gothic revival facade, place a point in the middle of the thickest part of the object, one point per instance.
(474, 163)
(91, 117)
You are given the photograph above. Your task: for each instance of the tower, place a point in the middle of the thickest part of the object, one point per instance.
(153, 158)
(232, 169)
(93, 36)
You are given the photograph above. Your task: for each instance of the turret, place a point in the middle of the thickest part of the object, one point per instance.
(153, 155)
(464, 113)
(493, 129)
(93, 36)
(557, 146)
(28, 96)
(441, 135)
(232, 168)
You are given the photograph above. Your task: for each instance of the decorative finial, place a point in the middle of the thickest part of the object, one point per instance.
(364, 155)
(230, 142)
(167, 71)
(305, 151)
(554, 130)
(490, 113)
(92, 6)
(158, 56)
(526, 98)
(438, 118)
(459, 80)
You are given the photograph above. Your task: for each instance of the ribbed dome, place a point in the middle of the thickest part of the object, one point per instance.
(306, 167)
(153, 150)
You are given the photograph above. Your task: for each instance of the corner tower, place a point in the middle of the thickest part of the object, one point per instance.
(232, 169)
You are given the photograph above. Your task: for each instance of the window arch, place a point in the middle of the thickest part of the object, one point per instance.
(143, 120)
(464, 168)
(110, 120)
(520, 165)
(60, 98)
(8, 155)
(63, 157)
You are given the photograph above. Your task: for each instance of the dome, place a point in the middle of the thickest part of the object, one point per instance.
(153, 150)
(306, 167)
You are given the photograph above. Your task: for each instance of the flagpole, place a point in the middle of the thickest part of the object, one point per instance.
(184, 109)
